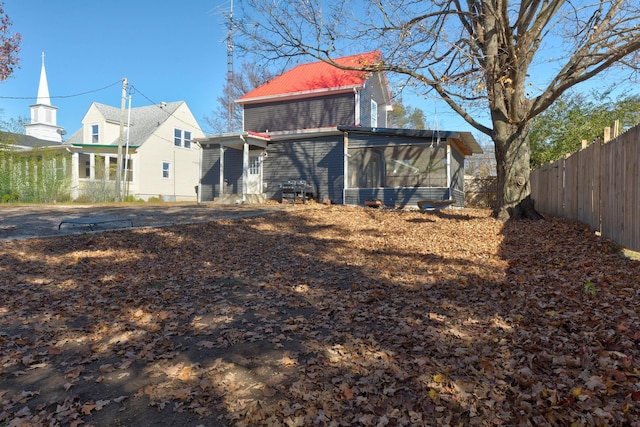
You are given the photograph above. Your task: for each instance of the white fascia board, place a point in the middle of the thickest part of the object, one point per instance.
(298, 95)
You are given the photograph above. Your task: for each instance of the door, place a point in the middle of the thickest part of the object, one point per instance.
(254, 178)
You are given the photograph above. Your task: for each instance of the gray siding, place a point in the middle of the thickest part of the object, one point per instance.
(210, 172)
(211, 168)
(361, 140)
(308, 113)
(403, 196)
(320, 161)
(457, 170)
(372, 90)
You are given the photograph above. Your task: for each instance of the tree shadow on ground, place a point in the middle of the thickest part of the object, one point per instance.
(313, 316)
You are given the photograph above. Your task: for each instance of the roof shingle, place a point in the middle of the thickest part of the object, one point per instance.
(144, 121)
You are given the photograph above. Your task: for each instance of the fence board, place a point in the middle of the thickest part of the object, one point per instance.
(599, 185)
(571, 194)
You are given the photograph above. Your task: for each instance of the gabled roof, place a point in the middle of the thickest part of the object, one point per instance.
(316, 77)
(144, 121)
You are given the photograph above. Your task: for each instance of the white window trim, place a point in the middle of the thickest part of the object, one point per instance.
(168, 170)
(374, 117)
(182, 138)
(91, 134)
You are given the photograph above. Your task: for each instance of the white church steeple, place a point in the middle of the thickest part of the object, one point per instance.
(43, 88)
(43, 115)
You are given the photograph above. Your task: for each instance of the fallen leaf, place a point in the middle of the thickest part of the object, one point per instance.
(185, 374)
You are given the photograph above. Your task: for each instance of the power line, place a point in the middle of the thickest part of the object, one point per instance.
(66, 96)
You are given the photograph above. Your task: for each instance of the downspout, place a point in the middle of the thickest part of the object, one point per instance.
(245, 167)
(357, 106)
(449, 180)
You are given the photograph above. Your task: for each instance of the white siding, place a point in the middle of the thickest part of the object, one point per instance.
(160, 148)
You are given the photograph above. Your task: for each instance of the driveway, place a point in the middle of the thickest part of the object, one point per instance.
(29, 221)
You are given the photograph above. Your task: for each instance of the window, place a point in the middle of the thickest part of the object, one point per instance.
(166, 170)
(181, 138)
(254, 165)
(95, 138)
(127, 166)
(416, 165)
(113, 168)
(187, 139)
(374, 114)
(84, 165)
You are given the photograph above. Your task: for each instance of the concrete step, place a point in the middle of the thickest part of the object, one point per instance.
(236, 199)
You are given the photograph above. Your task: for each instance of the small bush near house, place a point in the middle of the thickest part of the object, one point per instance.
(97, 191)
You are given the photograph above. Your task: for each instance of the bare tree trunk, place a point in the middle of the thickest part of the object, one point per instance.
(514, 187)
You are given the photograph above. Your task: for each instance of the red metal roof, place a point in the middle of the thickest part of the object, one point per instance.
(315, 77)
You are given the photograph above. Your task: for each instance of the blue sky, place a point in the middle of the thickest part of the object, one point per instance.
(169, 51)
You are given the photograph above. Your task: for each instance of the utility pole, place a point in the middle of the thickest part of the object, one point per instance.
(120, 142)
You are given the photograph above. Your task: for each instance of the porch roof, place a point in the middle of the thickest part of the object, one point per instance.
(102, 146)
(236, 140)
(467, 138)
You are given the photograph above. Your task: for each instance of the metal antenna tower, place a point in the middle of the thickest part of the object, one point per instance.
(230, 76)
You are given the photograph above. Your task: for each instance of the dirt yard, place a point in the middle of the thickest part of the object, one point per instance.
(28, 221)
(320, 315)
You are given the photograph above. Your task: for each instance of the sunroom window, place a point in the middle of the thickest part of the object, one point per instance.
(417, 165)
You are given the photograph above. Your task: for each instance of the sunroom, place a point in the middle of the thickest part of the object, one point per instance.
(401, 167)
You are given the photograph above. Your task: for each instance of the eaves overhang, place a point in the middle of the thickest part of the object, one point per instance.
(470, 144)
(299, 95)
(103, 146)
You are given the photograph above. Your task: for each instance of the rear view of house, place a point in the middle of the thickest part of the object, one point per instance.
(326, 125)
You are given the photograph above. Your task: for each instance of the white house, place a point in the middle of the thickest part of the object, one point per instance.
(160, 157)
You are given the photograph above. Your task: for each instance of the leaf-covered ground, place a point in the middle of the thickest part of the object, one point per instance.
(321, 315)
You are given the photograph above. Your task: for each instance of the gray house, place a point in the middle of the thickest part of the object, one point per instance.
(328, 127)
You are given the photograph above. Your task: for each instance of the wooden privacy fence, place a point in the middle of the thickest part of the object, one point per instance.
(598, 185)
(481, 192)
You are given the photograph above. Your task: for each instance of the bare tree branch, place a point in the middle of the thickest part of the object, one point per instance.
(497, 63)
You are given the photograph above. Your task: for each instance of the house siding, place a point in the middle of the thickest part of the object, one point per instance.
(318, 160)
(361, 140)
(308, 113)
(457, 170)
(232, 171)
(402, 196)
(211, 172)
(159, 148)
(374, 91)
(210, 180)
